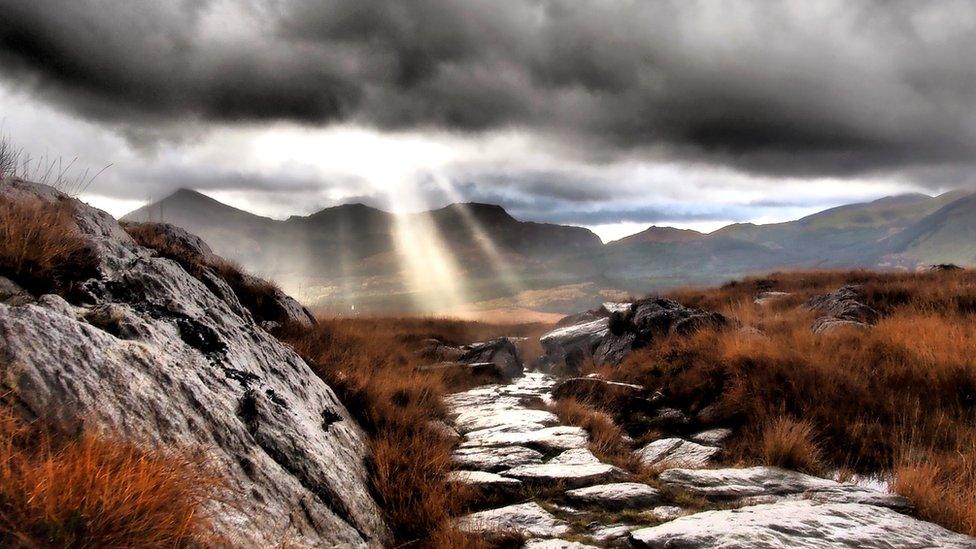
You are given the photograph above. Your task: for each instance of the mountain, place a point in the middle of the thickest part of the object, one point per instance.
(660, 234)
(349, 253)
(352, 254)
(946, 236)
(845, 236)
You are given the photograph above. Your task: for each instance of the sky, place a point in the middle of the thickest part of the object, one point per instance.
(614, 114)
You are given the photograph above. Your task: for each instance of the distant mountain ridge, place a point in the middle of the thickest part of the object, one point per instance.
(347, 253)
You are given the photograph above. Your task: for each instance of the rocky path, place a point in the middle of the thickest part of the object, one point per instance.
(538, 479)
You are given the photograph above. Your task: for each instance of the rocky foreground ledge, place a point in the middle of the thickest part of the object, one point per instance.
(152, 354)
(538, 479)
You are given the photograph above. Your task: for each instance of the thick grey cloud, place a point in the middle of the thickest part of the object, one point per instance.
(804, 88)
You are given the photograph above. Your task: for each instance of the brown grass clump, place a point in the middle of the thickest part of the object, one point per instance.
(791, 444)
(607, 440)
(41, 247)
(372, 363)
(97, 492)
(942, 487)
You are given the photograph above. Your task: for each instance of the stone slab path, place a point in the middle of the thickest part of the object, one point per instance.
(539, 479)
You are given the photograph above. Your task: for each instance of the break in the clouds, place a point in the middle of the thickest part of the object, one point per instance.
(606, 91)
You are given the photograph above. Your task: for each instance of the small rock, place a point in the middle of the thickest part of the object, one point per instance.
(502, 352)
(665, 513)
(676, 452)
(606, 533)
(842, 308)
(763, 298)
(526, 518)
(576, 456)
(622, 495)
(712, 437)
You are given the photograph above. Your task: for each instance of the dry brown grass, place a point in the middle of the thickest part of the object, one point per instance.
(372, 364)
(861, 394)
(791, 444)
(40, 245)
(96, 492)
(942, 487)
(607, 440)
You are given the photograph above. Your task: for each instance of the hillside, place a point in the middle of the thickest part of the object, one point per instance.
(946, 236)
(348, 255)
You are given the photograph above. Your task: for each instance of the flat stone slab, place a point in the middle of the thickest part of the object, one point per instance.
(556, 544)
(576, 456)
(562, 437)
(494, 459)
(528, 519)
(676, 452)
(569, 475)
(621, 495)
(712, 437)
(800, 525)
(477, 419)
(487, 483)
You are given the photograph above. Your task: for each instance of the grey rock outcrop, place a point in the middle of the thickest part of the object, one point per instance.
(621, 495)
(676, 452)
(843, 307)
(528, 519)
(800, 525)
(156, 356)
(607, 335)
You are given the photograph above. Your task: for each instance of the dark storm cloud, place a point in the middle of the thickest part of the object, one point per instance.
(806, 88)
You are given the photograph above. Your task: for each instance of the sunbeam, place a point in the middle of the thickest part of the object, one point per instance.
(433, 279)
(499, 264)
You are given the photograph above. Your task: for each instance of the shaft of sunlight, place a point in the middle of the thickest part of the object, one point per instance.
(499, 264)
(433, 279)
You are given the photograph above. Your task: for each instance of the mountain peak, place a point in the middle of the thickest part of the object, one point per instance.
(655, 233)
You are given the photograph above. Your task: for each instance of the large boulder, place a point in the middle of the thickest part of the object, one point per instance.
(607, 335)
(154, 355)
(843, 307)
(800, 525)
(501, 351)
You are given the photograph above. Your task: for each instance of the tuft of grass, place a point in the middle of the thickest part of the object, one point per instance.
(607, 440)
(98, 492)
(41, 247)
(942, 487)
(791, 444)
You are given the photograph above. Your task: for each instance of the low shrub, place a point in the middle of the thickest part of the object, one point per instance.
(791, 444)
(41, 247)
(92, 491)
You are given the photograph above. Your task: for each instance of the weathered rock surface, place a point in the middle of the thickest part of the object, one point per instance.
(157, 356)
(561, 437)
(502, 351)
(476, 420)
(676, 452)
(528, 519)
(800, 524)
(712, 437)
(279, 310)
(570, 475)
(842, 308)
(751, 482)
(621, 495)
(489, 484)
(762, 298)
(555, 544)
(665, 513)
(494, 459)
(608, 336)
